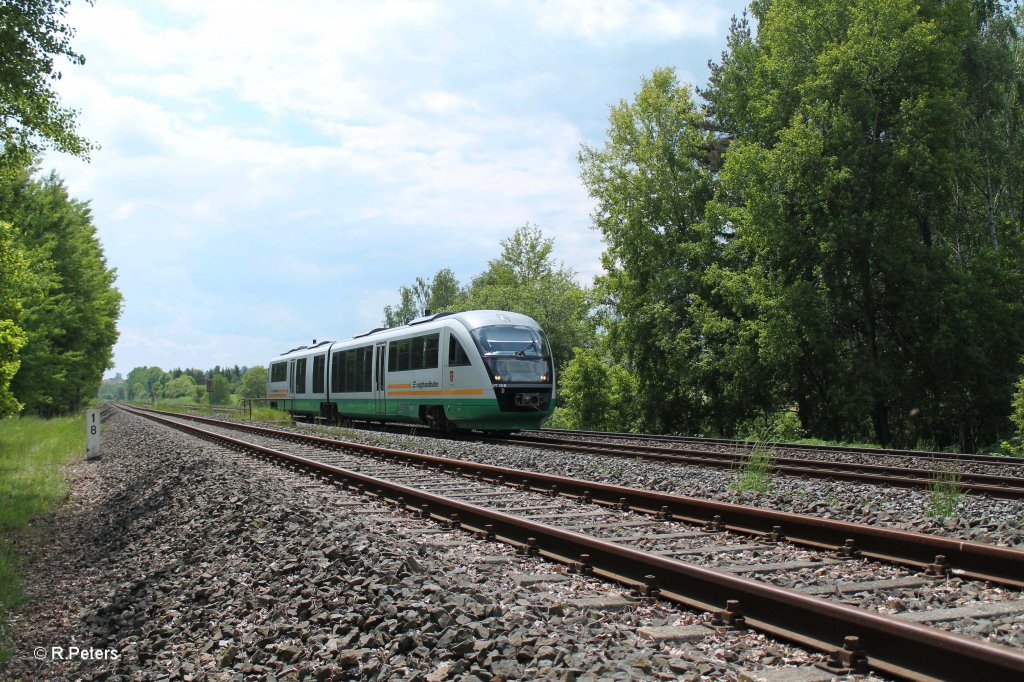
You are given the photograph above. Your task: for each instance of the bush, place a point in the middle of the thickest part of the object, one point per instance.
(1015, 445)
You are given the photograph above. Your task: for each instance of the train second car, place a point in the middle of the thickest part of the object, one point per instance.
(488, 370)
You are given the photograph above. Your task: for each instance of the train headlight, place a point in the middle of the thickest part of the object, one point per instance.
(497, 377)
(543, 377)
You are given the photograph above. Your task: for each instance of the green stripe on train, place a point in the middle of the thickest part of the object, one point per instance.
(469, 414)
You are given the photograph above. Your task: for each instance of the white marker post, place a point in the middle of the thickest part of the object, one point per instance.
(92, 434)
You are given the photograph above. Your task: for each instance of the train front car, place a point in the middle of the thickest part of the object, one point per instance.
(516, 358)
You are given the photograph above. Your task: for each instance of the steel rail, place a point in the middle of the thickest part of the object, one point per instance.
(810, 447)
(922, 551)
(890, 645)
(996, 486)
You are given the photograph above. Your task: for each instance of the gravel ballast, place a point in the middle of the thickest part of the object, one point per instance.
(974, 517)
(181, 560)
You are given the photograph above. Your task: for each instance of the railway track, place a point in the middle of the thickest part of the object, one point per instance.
(781, 573)
(746, 446)
(1010, 486)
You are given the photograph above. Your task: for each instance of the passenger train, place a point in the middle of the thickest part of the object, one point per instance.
(487, 370)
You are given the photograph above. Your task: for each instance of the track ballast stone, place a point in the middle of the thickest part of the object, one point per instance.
(185, 561)
(975, 517)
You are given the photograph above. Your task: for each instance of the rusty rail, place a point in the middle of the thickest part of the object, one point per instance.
(996, 486)
(890, 645)
(919, 550)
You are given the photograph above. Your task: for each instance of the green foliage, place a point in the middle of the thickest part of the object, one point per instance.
(32, 35)
(783, 425)
(523, 279)
(70, 316)
(182, 386)
(438, 295)
(147, 383)
(944, 493)
(662, 289)
(13, 284)
(596, 394)
(526, 279)
(756, 472)
(1015, 445)
(220, 394)
(267, 414)
(33, 453)
(837, 228)
(254, 383)
(871, 285)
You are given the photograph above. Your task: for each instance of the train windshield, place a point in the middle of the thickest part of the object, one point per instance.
(514, 353)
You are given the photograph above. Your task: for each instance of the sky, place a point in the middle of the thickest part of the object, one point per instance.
(270, 172)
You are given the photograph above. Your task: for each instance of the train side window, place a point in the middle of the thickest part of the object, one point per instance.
(404, 355)
(417, 353)
(337, 371)
(279, 371)
(318, 373)
(300, 375)
(456, 356)
(393, 356)
(350, 371)
(366, 379)
(430, 344)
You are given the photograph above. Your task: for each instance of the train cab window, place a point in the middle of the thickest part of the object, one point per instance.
(300, 375)
(318, 373)
(456, 355)
(279, 371)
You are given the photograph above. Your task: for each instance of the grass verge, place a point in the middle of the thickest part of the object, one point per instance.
(33, 453)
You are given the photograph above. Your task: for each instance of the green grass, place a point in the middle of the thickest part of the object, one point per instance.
(33, 453)
(755, 472)
(259, 413)
(943, 493)
(842, 444)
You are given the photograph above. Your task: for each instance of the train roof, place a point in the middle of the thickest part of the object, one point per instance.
(470, 319)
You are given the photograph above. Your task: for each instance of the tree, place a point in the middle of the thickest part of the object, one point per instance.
(838, 229)
(32, 36)
(180, 387)
(13, 279)
(146, 383)
(444, 291)
(1015, 445)
(843, 188)
(525, 279)
(438, 295)
(254, 383)
(71, 324)
(597, 394)
(652, 180)
(220, 394)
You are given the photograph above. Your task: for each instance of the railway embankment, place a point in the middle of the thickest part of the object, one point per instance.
(183, 559)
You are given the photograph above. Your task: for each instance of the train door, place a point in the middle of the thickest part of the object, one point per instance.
(379, 388)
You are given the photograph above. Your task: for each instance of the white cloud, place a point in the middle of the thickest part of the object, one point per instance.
(627, 20)
(251, 148)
